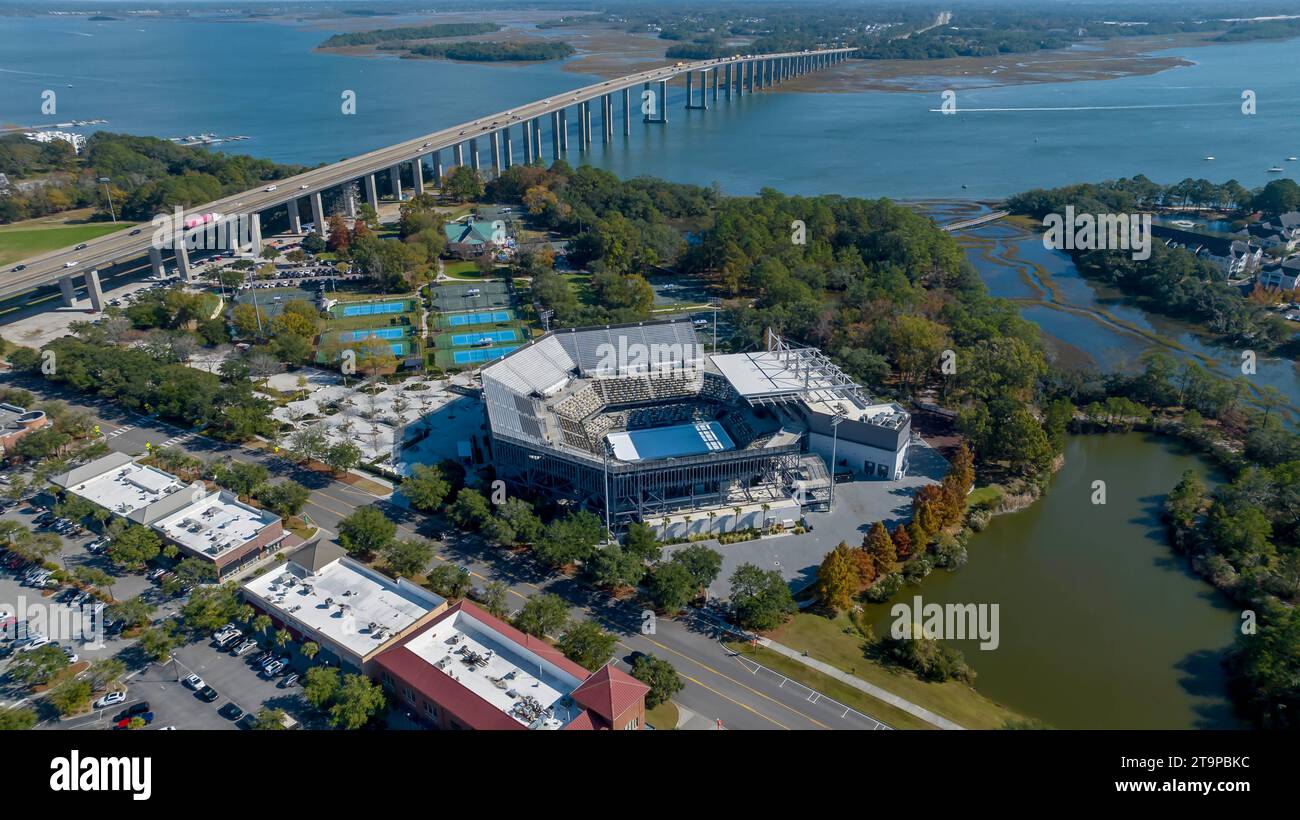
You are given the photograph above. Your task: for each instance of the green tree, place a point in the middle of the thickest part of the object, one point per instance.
(701, 562)
(495, 597)
(17, 719)
(449, 581)
(587, 645)
(320, 686)
(660, 676)
(366, 531)
(612, 566)
(70, 696)
(542, 615)
(760, 600)
(641, 542)
(269, 719)
(426, 488)
(672, 587)
(135, 547)
(880, 547)
(408, 557)
(837, 579)
(355, 703)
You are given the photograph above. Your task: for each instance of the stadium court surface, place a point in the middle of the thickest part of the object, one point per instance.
(482, 354)
(670, 442)
(484, 317)
(493, 336)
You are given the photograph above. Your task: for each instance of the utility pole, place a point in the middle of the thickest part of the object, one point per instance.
(109, 196)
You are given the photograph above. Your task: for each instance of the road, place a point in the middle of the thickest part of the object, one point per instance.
(719, 686)
(135, 242)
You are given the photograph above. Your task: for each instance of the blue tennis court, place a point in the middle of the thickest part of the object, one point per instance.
(374, 308)
(484, 338)
(483, 354)
(483, 317)
(377, 333)
(670, 442)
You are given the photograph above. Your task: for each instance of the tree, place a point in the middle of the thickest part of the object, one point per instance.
(355, 703)
(17, 719)
(570, 540)
(71, 696)
(426, 488)
(158, 642)
(542, 615)
(672, 587)
(880, 547)
(641, 542)
(837, 579)
(320, 685)
(268, 719)
(366, 531)
(660, 676)
(902, 543)
(285, 499)
(702, 563)
(38, 666)
(463, 183)
(408, 556)
(614, 567)
(449, 581)
(210, 608)
(494, 598)
(135, 547)
(761, 600)
(471, 510)
(310, 650)
(342, 456)
(587, 645)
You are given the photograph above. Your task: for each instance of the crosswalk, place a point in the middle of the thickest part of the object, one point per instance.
(126, 428)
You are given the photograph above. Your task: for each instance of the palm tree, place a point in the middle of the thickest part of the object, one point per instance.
(736, 509)
(262, 623)
(309, 649)
(664, 537)
(766, 508)
(282, 638)
(712, 515)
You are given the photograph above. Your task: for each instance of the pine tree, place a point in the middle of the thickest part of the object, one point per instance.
(881, 547)
(902, 543)
(837, 579)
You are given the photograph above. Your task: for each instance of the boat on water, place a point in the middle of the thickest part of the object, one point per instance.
(1184, 223)
(1276, 169)
(1209, 159)
(1290, 159)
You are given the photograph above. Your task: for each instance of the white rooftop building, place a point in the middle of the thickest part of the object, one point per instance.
(215, 525)
(126, 488)
(348, 609)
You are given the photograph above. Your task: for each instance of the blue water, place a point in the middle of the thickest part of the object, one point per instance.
(480, 318)
(485, 354)
(467, 339)
(374, 309)
(261, 79)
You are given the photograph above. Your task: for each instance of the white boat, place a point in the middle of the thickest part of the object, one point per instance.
(1184, 223)
(1290, 159)
(1209, 159)
(1276, 169)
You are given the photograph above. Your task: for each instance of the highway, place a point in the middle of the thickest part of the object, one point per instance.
(132, 243)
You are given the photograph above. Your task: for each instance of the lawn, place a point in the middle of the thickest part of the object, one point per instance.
(663, 716)
(837, 642)
(462, 269)
(980, 495)
(18, 242)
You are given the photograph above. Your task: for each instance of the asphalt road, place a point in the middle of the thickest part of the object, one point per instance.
(122, 245)
(719, 686)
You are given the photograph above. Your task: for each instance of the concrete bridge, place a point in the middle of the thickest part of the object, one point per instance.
(489, 145)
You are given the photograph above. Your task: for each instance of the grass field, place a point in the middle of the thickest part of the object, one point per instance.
(24, 240)
(837, 642)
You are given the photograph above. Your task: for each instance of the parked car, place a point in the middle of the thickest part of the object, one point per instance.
(246, 646)
(111, 699)
(207, 693)
(231, 712)
(194, 682)
(273, 668)
(289, 680)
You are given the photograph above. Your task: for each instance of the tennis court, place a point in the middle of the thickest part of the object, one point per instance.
(482, 354)
(371, 308)
(670, 442)
(376, 333)
(485, 317)
(484, 338)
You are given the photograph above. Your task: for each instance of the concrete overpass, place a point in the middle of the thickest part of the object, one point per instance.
(489, 144)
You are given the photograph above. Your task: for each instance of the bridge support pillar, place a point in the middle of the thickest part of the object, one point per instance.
(295, 219)
(68, 291)
(528, 142)
(352, 202)
(255, 231)
(663, 101)
(607, 118)
(726, 80)
(494, 149)
(627, 112)
(417, 175)
(507, 152)
(372, 195)
(564, 130)
(690, 89)
(435, 165)
(753, 69)
(182, 260)
(556, 136)
(714, 73)
(459, 153)
(395, 179)
(94, 291)
(473, 154)
(318, 213)
(584, 125)
(156, 263)
(537, 138)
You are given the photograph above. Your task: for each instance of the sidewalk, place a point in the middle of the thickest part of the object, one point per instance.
(857, 683)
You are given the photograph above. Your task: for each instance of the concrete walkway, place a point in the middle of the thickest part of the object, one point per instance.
(857, 683)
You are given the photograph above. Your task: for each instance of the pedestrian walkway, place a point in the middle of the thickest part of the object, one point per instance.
(857, 683)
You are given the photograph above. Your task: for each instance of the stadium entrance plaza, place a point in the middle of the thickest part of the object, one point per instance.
(859, 504)
(377, 423)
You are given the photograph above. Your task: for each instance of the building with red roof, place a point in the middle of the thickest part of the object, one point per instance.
(467, 669)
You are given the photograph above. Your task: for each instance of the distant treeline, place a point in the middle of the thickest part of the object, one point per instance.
(488, 52)
(389, 35)
(1140, 193)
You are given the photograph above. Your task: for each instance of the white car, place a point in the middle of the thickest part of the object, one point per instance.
(111, 699)
(33, 643)
(69, 264)
(269, 188)
(194, 682)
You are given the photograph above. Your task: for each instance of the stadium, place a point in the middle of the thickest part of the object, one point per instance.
(638, 422)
